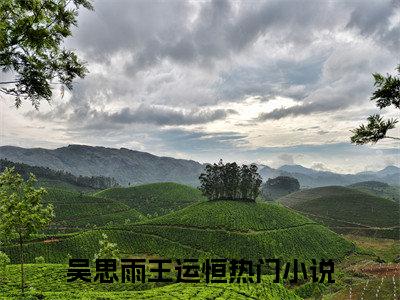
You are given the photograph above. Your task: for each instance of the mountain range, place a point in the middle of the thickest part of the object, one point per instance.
(125, 166)
(130, 167)
(314, 178)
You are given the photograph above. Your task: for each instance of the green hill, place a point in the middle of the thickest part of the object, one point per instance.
(347, 210)
(75, 210)
(207, 229)
(155, 198)
(379, 189)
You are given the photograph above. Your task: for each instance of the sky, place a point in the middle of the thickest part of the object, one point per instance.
(271, 82)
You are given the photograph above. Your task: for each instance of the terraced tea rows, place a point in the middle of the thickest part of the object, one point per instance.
(155, 199)
(347, 210)
(77, 210)
(233, 215)
(48, 282)
(274, 232)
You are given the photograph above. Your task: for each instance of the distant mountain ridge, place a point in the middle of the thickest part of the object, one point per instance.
(313, 178)
(136, 167)
(124, 165)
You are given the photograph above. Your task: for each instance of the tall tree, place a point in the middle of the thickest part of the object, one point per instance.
(245, 182)
(31, 51)
(21, 211)
(230, 182)
(255, 182)
(386, 94)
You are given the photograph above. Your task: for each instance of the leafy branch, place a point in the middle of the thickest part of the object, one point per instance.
(31, 35)
(386, 94)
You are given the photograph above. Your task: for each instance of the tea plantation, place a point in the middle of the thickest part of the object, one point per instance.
(156, 198)
(347, 210)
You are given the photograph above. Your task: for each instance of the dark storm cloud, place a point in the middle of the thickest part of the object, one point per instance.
(144, 114)
(198, 141)
(147, 33)
(154, 30)
(287, 78)
(345, 82)
(167, 116)
(202, 43)
(373, 20)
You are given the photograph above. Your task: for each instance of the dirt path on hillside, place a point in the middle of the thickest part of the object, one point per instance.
(382, 270)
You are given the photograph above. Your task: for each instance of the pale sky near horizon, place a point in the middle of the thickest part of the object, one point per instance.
(272, 82)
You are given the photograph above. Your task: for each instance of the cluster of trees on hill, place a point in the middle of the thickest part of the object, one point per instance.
(230, 182)
(279, 186)
(96, 182)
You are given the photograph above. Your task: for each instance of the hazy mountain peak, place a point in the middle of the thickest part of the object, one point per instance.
(296, 169)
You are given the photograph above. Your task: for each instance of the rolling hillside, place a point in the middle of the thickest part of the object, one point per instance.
(74, 210)
(207, 229)
(156, 198)
(379, 189)
(347, 210)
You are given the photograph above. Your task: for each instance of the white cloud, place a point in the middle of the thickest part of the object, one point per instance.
(296, 73)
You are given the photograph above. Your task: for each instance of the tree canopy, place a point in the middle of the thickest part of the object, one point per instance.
(279, 186)
(21, 211)
(31, 51)
(386, 94)
(230, 182)
(95, 182)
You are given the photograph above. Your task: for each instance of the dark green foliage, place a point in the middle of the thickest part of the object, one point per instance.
(230, 182)
(47, 175)
(279, 186)
(155, 198)
(31, 37)
(374, 131)
(387, 93)
(388, 90)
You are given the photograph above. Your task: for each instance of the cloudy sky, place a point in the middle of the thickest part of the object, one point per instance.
(273, 82)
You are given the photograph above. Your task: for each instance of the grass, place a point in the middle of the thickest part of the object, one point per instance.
(384, 249)
(370, 272)
(154, 199)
